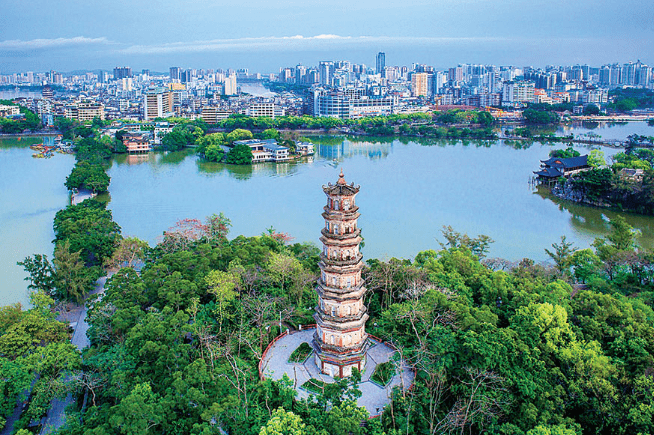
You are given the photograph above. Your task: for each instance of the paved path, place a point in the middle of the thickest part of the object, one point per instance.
(81, 195)
(77, 318)
(374, 397)
(13, 418)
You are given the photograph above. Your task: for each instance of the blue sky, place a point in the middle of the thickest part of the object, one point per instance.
(263, 35)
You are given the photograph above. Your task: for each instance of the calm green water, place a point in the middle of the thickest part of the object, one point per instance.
(409, 190)
(31, 192)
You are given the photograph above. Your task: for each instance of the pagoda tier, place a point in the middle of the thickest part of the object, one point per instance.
(340, 341)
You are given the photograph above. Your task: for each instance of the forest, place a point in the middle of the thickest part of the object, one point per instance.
(497, 348)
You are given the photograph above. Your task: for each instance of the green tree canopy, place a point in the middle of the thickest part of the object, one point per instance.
(239, 155)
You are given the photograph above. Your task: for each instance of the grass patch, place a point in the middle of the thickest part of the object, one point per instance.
(315, 386)
(301, 353)
(383, 374)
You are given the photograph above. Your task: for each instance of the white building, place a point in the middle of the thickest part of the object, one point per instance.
(9, 110)
(213, 114)
(229, 87)
(270, 110)
(266, 150)
(517, 93)
(157, 103)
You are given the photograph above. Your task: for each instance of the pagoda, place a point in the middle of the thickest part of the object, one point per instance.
(340, 341)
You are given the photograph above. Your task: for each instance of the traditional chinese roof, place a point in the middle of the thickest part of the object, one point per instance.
(549, 172)
(570, 162)
(341, 187)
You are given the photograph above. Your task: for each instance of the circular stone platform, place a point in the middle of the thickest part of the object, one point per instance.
(374, 397)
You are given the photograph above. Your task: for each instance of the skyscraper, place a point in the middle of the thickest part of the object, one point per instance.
(326, 70)
(122, 72)
(381, 63)
(419, 84)
(175, 73)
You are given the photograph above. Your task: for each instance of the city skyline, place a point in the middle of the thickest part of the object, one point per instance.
(262, 37)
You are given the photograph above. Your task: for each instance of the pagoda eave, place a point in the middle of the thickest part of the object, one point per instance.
(331, 323)
(339, 294)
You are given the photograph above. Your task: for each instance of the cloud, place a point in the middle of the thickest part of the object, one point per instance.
(296, 42)
(36, 44)
(268, 43)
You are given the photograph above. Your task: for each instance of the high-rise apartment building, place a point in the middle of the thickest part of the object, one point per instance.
(300, 73)
(157, 103)
(518, 92)
(122, 72)
(175, 73)
(455, 74)
(230, 87)
(643, 76)
(629, 73)
(326, 72)
(419, 84)
(381, 63)
(348, 103)
(605, 75)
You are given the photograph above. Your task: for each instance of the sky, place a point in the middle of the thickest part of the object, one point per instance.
(264, 35)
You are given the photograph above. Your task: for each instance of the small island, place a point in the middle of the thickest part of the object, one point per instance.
(626, 184)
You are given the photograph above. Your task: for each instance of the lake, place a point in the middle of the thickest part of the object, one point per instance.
(409, 191)
(21, 92)
(31, 192)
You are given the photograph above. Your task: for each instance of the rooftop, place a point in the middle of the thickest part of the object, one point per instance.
(341, 187)
(570, 162)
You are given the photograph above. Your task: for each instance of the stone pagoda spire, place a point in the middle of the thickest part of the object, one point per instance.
(340, 341)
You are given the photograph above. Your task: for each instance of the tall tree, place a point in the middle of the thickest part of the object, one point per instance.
(72, 279)
(41, 273)
(561, 255)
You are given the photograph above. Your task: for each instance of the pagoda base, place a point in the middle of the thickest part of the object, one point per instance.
(374, 397)
(339, 365)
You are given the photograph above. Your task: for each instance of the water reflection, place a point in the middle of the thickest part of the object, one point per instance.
(25, 141)
(594, 221)
(348, 149)
(137, 159)
(175, 157)
(591, 125)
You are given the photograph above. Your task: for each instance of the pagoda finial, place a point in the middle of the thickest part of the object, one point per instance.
(341, 178)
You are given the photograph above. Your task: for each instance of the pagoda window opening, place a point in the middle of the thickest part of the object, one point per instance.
(335, 229)
(336, 204)
(346, 204)
(333, 311)
(349, 284)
